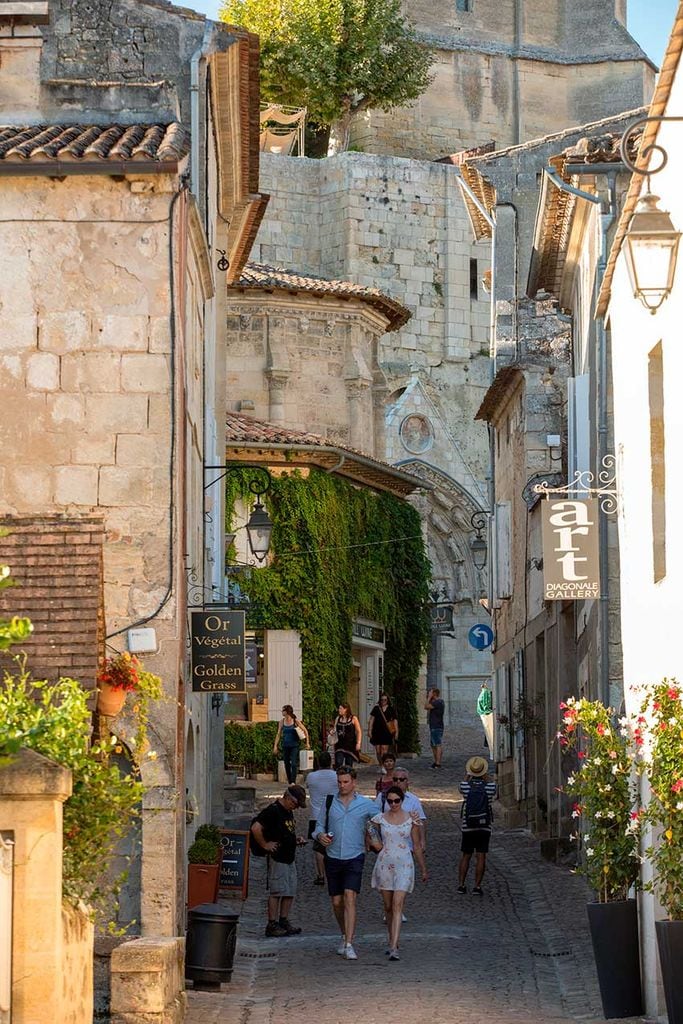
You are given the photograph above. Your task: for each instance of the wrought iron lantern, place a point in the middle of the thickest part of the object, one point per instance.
(259, 531)
(478, 545)
(651, 250)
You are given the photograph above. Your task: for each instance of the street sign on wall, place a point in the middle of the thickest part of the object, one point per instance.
(218, 662)
(442, 618)
(480, 636)
(571, 549)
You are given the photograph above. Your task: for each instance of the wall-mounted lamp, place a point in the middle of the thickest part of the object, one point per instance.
(651, 250)
(478, 545)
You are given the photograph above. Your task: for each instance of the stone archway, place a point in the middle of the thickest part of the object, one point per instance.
(453, 664)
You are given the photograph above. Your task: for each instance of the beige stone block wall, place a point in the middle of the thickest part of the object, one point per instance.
(52, 943)
(148, 981)
(77, 966)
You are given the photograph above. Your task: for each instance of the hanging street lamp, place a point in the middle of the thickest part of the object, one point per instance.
(651, 250)
(259, 530)
(478, 545)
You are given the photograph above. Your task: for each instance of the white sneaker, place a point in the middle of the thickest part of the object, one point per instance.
(341, 948)
(349, 952)
(403, 918)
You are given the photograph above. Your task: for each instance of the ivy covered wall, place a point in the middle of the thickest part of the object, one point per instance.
(342, 552)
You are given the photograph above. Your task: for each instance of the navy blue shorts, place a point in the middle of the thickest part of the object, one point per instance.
(344, 874)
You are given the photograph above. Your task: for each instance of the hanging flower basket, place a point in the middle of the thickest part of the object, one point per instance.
(110, 699)
(117, 677)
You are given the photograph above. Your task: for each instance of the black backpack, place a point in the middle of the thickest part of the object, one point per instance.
(477, 809)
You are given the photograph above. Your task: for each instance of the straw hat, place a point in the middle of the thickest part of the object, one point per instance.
(476, 766)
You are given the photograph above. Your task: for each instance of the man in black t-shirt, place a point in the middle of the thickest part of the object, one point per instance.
(274, 831)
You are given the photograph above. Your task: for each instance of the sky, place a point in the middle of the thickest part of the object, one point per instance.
(649, 21)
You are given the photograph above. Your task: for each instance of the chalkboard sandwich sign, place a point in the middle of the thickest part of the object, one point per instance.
(234, 875)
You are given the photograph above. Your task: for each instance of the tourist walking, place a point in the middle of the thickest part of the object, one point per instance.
(411, 804)
(435, 708)
(344, 842)
(485, 712)
(383, 727)
(394, 871)
(293, 733)
(274, 832)
(384, 779)
(321, 784)
(476, 820)
(349, 737)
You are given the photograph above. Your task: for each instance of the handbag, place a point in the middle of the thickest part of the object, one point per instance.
(318, 847)
(301, 733)
(391, 724)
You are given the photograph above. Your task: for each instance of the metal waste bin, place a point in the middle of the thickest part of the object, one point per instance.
(210, 948)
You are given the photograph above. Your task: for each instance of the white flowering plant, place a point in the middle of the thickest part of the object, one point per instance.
(661, 761)
(604, 790)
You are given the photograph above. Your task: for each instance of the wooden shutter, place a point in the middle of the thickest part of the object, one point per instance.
(283, 671)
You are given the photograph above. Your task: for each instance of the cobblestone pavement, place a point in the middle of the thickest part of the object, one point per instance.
(519, 954)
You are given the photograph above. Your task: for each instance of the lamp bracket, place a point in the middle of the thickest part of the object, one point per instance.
(259, 485)
(627, 140)
(583, 485)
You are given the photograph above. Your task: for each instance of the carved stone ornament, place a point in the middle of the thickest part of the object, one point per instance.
(245, 321)
(416, 433)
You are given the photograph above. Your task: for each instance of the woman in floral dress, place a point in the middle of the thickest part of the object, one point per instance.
(394, 872)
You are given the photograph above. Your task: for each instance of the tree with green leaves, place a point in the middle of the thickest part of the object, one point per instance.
(335, 57)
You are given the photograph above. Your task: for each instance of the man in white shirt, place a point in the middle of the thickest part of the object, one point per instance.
(410, 801)
(321, 784)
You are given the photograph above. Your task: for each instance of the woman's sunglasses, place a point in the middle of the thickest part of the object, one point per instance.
(397, 801)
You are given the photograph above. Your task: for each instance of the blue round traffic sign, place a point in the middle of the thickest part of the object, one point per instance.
(480, 636)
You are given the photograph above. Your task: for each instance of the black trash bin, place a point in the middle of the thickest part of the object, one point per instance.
(210, 948)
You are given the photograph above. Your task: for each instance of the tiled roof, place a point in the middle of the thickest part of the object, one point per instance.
(92, 143)
(280, 445)
(258, 275)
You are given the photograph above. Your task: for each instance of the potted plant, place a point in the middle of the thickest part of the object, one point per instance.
(604, 791)
(203, 866)
(660, 731)
(120, 675)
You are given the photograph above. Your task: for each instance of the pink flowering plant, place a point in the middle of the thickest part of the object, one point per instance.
(661, 760)
(604, 791)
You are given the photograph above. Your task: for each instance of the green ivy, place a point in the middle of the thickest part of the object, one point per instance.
(251, 746)
(341, 553)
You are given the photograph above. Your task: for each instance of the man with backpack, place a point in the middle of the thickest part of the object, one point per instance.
(476, 819)
(273, 835)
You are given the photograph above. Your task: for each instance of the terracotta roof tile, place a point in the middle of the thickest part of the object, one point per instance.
(259, 275)
(159, 143)
(258, 435)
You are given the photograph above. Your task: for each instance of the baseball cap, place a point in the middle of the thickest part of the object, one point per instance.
(297, 793)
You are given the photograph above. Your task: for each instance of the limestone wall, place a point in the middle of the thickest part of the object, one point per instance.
(511, 70)
(77, 966)
(399, 225)
(85, 361)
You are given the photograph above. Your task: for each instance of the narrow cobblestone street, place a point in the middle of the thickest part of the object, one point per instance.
(520, 953)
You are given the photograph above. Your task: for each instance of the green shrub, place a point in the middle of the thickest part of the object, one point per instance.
(210, 832)
(203, 851)
(54, 720)
(251, 745)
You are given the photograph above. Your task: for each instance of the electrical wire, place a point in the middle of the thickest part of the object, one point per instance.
(171, 460)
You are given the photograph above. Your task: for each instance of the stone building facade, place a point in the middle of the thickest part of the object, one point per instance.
(399, 225)
(117, 190)
(509, 71)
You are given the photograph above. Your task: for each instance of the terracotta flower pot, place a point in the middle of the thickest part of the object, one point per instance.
(202, 883)
(110, 699)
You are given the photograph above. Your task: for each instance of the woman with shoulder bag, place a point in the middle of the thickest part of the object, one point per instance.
(349, 736)
(382, 727)
(293, 733)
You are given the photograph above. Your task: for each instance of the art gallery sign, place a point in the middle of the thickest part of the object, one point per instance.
(571, 549)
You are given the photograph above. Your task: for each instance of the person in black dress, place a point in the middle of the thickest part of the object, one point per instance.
(382, 727)
(349, 736)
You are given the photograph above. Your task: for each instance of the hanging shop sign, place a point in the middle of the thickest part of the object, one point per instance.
(571, 549)
(442, 618)
(218, 662)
